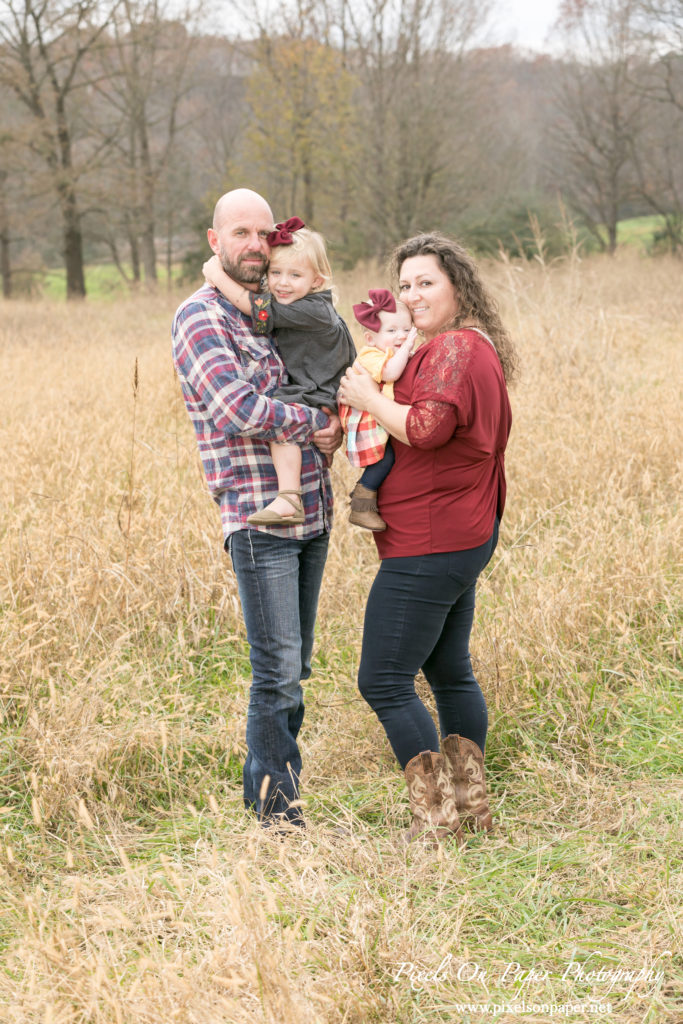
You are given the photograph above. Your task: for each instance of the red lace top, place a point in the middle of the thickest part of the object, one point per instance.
(445, 489)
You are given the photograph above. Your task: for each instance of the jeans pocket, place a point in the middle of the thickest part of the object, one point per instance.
(464, 566)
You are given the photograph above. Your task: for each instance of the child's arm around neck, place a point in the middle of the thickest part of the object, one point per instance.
(234, 292)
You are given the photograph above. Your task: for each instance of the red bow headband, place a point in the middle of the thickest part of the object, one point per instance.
(283, 232)
(367, 313)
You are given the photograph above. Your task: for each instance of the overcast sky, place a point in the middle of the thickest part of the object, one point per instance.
(525, 22)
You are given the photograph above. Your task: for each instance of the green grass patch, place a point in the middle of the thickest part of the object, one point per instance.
(102, 282)
(638, 231)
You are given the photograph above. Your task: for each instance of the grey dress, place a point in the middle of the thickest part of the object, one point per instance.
(314, 342)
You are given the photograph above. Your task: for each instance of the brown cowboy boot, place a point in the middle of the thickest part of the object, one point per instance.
(364, 509)
(432, 799)
(465, 764)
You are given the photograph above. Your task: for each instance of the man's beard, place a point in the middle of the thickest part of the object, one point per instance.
(240, 273)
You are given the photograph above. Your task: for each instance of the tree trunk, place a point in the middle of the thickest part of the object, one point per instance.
(149, 256)
(71, 218)
(134, 250)
(169, 248)
(73, 246)
(147, 245)
(673, 229)
(5, 266)
(611, 226)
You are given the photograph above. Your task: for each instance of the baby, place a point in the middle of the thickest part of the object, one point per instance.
(389, 336)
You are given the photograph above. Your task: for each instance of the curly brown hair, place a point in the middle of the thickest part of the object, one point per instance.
(476, 305)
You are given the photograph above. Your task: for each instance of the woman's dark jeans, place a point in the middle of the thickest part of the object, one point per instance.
(419, 616)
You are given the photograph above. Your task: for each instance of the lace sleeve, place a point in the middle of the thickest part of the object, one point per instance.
(443, 374)
(440, 396)
(430, 424)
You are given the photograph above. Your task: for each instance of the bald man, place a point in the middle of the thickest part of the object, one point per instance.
(227, 374)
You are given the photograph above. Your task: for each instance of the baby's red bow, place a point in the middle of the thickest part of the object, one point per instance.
(367, 313)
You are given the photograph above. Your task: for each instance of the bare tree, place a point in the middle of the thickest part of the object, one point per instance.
(8, 169)
(27, 228)
(658, 158)
(600, 112)
(298, 141)
(43, 49)
(5, 264)
(361, 105)
(661, 24)
(144, 81)
(418, 97)
(218, 80)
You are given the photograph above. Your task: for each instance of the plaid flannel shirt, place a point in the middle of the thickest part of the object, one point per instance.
(366, 440)
(226, 373)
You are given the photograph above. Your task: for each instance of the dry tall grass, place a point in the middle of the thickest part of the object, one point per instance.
(133, 886)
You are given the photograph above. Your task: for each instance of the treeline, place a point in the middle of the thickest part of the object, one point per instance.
(122, 120)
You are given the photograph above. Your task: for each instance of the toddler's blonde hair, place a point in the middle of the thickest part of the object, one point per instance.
(310, 245)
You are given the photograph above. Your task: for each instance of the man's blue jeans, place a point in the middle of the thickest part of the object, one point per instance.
(279, 583)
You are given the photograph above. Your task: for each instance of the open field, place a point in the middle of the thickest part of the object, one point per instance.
(104, 282)
(133, 887)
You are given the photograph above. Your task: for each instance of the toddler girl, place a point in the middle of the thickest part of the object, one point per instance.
(389, 336)
(313, 340)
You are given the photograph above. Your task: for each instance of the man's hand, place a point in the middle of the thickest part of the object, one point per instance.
(329, 438)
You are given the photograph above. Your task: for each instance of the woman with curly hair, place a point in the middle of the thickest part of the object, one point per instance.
(442, 502)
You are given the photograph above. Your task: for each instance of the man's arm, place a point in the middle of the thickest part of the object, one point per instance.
(206, 357)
